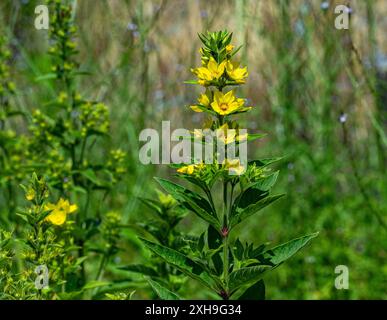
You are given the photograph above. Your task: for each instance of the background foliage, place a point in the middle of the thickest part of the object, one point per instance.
(320, 95)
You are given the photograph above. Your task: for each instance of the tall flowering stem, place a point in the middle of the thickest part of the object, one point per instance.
(217, 258)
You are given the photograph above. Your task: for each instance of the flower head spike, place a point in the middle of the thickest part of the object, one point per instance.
(225, 104)
(59, 211)
(235, 73)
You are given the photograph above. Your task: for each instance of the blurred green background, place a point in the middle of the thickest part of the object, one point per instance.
(320, 95)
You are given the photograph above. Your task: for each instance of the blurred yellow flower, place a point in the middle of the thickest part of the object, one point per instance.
(227, 103)
(230, 48)
(166, 199)
(235, 73)
(59, 211)
(30, 194)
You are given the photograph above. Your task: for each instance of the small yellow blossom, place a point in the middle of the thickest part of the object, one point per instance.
(213, 71)
(234, 167)
(227, 103)
(30, 194)
(230, 48)
(204, 101)
(187, 169)
(191, 168)
(59, 211)
(225, 134)
(235, 73)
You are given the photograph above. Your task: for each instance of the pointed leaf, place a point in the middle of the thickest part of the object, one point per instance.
(238, 215)
(265, 162)
(245, 276)
(284, 251)
(183, 263)
(152, 204)
(191, 201)
(140, 268)
(162, 292)
(255, 292)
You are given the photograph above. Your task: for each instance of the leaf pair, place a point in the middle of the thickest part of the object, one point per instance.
(192, 201)
(242, 279)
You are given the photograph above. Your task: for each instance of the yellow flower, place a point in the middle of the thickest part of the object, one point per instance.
(227, 103)
(225, 134)
(30, 194)
(216, 69)
(187, 169)
(213, 71)
(191, 168)
(203, 100)
(234, 167)
(235, 73)
(59, 211)
(229, 48)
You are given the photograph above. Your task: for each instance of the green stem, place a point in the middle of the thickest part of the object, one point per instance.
(101, 266)
(225, 237)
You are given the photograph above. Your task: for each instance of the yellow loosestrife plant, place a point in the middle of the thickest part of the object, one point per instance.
(217, 258)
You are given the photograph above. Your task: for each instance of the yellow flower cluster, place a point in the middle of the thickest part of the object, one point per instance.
(217, 72)
(220, 74)
(213, 71)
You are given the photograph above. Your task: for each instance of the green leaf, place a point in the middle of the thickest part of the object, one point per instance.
(255, 292)
(140, 268)
(95, 284)
(246, 276)
(255, 136)
(279, 254)
(183, 263)
(265, 162)
(214, 241)
(238, 215)
(191, 82)
(266, 183)
(152, 204)
(162, 292)
(90, 175)
(47, 76)
(255, 192)
(191, 201)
